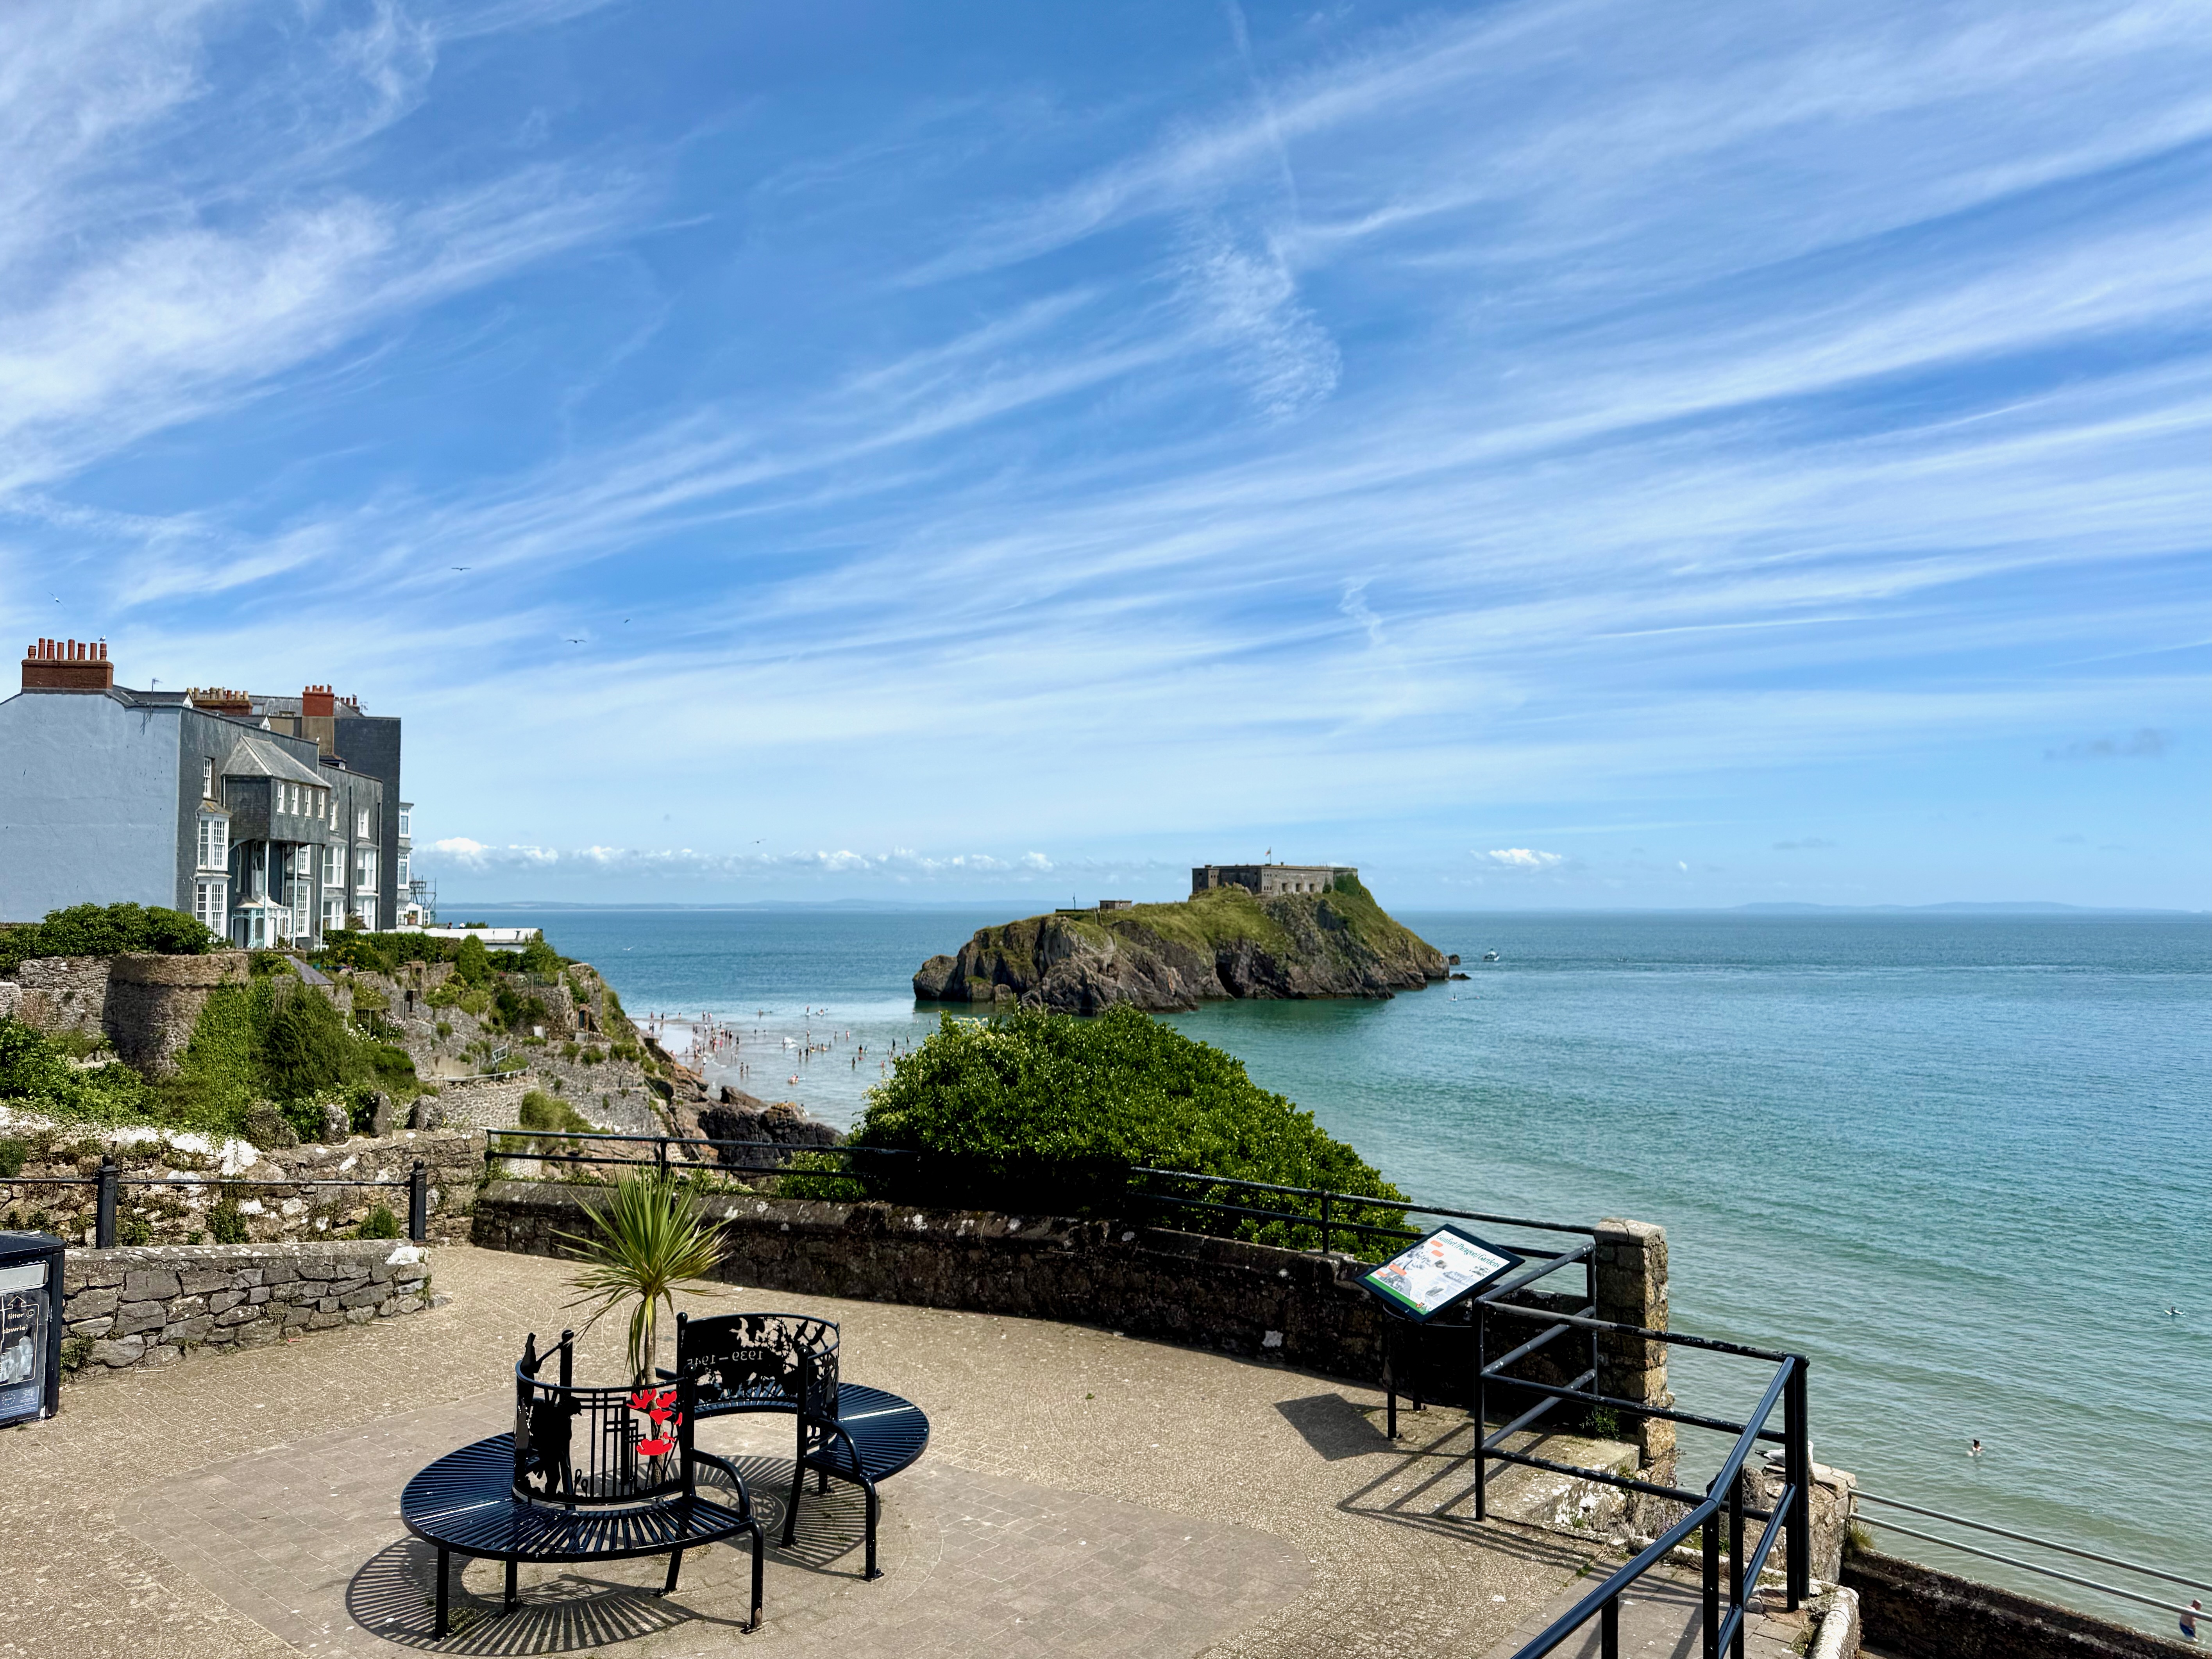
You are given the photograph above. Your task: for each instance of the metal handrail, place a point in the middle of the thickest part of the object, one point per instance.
(1724, 1492)
(110, 1180)
(2027, 1538)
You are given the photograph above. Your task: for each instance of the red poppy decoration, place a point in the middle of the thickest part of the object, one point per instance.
(656, 1448)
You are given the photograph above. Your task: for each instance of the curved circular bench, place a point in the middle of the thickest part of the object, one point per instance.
(768, 1362)
(526, 1497)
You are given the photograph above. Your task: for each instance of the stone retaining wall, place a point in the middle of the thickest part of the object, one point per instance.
(180, 1214)
(1304, 1309)
(150, 1306)
(1913, 1612)
(58, 993)
(153, 1002)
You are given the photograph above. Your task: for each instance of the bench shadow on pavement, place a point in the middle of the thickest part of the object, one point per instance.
(568, 1608)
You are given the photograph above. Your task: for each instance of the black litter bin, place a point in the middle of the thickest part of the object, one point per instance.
(30, 1326)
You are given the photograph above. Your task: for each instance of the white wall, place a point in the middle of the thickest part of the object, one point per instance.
(88, 796)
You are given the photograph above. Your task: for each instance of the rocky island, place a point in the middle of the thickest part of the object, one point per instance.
(1223, 941)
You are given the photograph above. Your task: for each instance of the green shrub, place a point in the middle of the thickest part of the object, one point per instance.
(226, 1222)
(472, 962)
(133, 1230)
(1050, 1110)
(35, 1073)
(103, 930)
(306, 1050)
(12, 1154)
(378, 1223)
(268, 964)
(537, 957)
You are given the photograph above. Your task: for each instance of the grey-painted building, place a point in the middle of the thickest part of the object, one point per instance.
(185, 799)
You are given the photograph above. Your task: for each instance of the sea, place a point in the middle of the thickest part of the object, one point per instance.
(1962, 1161)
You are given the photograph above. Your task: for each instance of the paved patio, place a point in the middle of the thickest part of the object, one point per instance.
(1082, 1494)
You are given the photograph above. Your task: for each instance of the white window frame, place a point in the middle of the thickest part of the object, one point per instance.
(330, 865)
(214, 842)
(207, 779)
(211, 904)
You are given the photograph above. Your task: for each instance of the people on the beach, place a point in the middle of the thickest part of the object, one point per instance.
(2189, 1618)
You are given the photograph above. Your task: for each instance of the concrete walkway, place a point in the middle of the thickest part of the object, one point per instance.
(1082, 1494)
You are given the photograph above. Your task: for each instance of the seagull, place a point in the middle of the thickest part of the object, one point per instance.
(575, 641)
(464, 567)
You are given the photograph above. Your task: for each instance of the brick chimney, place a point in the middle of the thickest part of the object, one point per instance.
(66, 665)
(220, 703)
(317, 700)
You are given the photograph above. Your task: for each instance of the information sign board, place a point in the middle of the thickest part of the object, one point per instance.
(1427, 1278)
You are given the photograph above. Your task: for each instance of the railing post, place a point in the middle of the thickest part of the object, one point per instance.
(1608, 1629)
(660, 1154)
(1324, 1221)
(1735, 1563)
(1709, 1539)
(1482, 1415)
(104, 1210)
(1797, 1438)
(418, 1203)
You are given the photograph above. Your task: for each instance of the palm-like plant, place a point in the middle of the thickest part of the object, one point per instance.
(648, 1240)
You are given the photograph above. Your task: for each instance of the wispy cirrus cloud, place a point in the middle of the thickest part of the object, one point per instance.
(1337, 427)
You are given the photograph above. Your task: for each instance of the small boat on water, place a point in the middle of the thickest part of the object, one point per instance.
(1490, 955)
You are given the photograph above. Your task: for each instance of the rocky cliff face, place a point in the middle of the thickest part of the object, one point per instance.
(1161, 958)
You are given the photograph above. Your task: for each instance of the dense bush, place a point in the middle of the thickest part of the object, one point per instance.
(35, 1073)
(280, 1040)
(1042, 1108)
(104, 930)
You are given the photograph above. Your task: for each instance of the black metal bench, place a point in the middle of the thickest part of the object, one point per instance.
(767, 1362)
(588, 1475)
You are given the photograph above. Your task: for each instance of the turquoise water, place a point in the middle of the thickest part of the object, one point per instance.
(1965, 1164)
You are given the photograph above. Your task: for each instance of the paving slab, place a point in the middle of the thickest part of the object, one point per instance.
(1077, 1483)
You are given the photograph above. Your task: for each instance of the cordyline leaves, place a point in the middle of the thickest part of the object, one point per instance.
(648, 1240)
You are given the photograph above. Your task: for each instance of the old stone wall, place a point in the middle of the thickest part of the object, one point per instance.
(200, 1174)
(1912, 1612)
(1303, 1309)
(153, 1002)
(60, 993)
(483, 1103)
(129, 1308)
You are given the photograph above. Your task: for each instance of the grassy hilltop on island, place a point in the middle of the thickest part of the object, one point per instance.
(1223, 942)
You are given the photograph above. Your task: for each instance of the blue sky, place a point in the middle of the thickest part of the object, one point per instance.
(1578, 454)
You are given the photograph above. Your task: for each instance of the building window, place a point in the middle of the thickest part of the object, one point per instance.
(364, 869)
(361, 823)
(366, 905)
(214, 842)
(405, 815)
(207, 779)
(209, 903)
(330, 866)
(333, 914)
(402, 869)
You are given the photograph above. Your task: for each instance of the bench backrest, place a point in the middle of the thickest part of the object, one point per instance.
(759, 1362)
(587, 1446)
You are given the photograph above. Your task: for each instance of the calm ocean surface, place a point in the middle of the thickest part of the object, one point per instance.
(1966, 1164)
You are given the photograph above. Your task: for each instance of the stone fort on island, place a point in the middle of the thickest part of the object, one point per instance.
(1266, 880)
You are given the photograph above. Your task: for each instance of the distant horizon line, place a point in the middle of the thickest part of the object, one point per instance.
(2027, 908)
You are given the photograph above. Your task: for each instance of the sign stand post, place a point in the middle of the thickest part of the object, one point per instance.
(1418, 1283)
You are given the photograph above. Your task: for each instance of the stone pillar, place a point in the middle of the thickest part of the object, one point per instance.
(1629, 1278)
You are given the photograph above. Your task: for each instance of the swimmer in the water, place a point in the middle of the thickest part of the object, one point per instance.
(1974, 1451)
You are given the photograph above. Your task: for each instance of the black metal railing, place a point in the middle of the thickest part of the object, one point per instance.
(1723, 1630)
(2170, 1605)
(109, 1181)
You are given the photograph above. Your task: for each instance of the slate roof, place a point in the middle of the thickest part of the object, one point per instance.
(257, 757)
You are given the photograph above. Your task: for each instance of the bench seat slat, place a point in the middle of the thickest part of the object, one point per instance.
(464, 1501)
